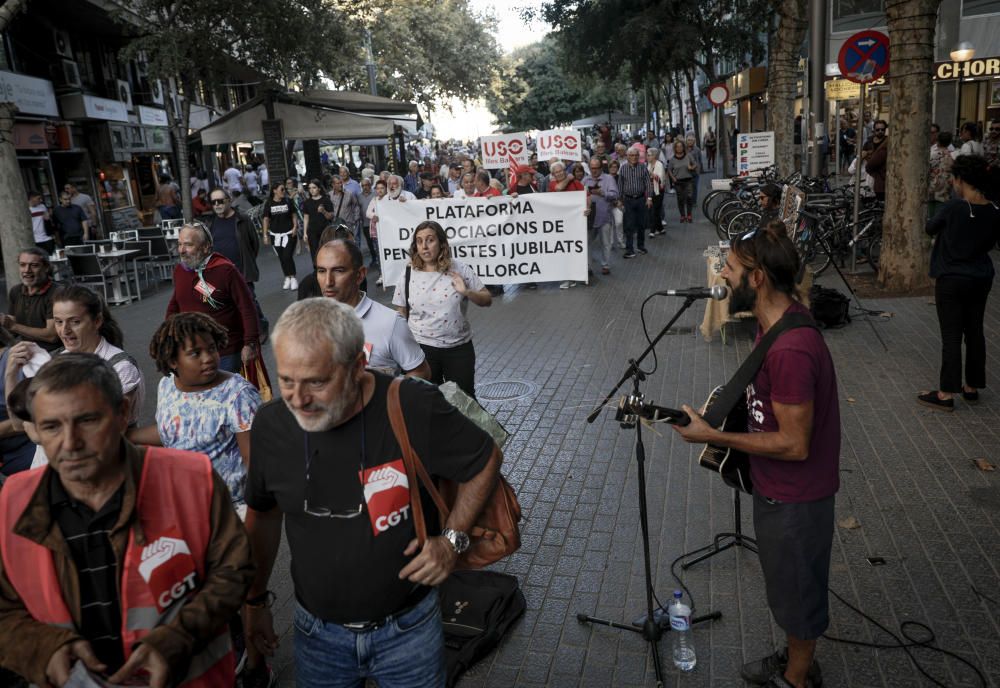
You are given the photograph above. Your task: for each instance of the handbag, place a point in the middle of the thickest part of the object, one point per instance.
(495, 534)
(256, 375)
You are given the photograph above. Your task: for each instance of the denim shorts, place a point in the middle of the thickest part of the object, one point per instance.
(794, 542)
(407, 652)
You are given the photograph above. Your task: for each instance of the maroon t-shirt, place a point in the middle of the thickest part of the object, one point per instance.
(798, 369)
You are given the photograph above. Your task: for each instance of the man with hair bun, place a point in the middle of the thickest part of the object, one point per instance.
(793, 441)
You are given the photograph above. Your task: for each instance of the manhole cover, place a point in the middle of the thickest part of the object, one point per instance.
(504, 390)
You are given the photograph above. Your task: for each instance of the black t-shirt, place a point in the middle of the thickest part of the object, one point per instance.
(225, 239)
(311, 207)
(33, 310)
(70, 219)
(281, 214)
(346, 569)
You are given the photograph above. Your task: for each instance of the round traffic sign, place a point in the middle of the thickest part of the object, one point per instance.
(718, 94)
(864, 57)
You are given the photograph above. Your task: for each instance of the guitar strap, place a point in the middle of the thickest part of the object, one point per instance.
(734, 390)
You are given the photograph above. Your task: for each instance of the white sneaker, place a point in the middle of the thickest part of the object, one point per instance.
(567, 285)
(293, 283)
(378, 282)
(284, 285)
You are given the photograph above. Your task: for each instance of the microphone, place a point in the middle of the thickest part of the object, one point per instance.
(718, 292)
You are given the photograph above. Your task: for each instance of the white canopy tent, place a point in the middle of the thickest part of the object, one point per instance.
(310, 115)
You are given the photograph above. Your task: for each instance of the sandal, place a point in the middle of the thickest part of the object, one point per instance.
(971, 397)
(932, 400)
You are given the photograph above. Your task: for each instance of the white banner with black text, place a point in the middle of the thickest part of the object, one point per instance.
(531, 238)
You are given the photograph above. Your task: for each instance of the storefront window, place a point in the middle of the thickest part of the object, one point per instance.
(114, 183)
(974, 8)
(857, 15)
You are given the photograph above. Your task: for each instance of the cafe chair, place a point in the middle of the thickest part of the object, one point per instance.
(88, 271)
(161, 257)
(144, 260)
(148, 232)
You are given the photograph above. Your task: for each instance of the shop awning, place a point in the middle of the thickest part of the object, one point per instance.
(616, 118)
(314, 115)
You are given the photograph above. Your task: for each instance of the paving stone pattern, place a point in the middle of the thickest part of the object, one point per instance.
(907, 475)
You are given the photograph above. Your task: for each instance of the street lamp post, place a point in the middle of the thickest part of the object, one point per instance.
(817, 67)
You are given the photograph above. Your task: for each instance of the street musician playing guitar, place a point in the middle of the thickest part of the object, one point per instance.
(793, 442)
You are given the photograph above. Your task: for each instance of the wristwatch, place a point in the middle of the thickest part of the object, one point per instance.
(459, 540)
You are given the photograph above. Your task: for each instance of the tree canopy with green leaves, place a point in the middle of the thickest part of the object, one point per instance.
(533, 90)
(652, 38)
(425, 50)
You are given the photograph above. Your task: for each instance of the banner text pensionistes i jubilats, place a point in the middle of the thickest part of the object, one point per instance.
(531, 238)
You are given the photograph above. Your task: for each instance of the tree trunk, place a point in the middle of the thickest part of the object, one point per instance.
(15, 224)
(689, 75)
(15, 221)
(675, 84)
(903, 266)
(785, 42)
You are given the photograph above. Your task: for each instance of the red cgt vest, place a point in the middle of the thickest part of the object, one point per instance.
(173, 503)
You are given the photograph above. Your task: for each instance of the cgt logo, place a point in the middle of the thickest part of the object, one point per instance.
(169, 569)
(177, 591)
(393, 518)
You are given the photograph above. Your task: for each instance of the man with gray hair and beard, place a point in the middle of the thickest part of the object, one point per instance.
(208, 282)
(326, 462)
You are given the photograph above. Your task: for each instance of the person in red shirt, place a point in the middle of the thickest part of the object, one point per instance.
(560, 181)
(200, 204)
(483, 187)
(207, 282)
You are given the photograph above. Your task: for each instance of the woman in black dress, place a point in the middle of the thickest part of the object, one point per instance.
(965, 229)
(317, 211)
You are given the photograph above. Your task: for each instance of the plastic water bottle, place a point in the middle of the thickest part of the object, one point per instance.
(680, 629)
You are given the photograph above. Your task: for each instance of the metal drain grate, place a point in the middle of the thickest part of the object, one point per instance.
(505, 390)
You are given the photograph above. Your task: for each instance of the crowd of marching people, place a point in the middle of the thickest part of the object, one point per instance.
(130, 521)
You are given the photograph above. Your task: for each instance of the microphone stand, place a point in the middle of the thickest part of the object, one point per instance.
(650, 630)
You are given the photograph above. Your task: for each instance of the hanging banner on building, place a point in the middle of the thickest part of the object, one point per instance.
(754, 152)
(559, 143)
(505, 150)
(532, 238)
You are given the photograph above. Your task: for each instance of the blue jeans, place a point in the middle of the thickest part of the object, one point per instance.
(407, 652)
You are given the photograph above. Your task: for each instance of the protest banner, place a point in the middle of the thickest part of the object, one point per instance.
(531, 238)
(559, 143)
(504, 150)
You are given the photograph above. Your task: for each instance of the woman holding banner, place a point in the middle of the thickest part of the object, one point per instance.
(433, 295)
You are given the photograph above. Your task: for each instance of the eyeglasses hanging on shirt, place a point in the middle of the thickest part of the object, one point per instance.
(326, 512)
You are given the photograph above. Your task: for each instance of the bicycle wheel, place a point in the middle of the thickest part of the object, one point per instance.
(726, 207)
(715, 202)
(875, 251)
(712, 200)
(741, 223)
(724, 216)
(811, 253)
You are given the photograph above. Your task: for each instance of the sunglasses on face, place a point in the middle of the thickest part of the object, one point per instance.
(994, 128)
(218, 201)
(880, 131)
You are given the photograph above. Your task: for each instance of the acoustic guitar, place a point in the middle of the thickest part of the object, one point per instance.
(733, 465)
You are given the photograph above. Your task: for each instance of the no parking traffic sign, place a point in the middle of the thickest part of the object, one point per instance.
(864, 57)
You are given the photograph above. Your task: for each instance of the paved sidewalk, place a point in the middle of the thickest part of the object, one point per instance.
(907, 476)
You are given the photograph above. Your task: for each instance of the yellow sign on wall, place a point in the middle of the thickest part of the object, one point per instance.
(842, 89)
